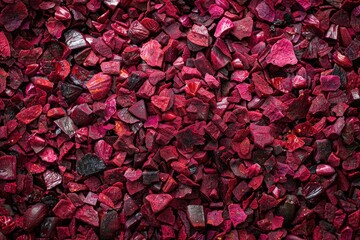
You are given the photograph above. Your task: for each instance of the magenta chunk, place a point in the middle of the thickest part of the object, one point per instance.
(158, 202)
(152, 53)
(88, 215)
(282, 53)
(34, 215)
(324, 170)
(330, 82)
(52, 179)
(237, 214)
(8, 167)
(99, 85)
(224, 26)
(139, 110)
(199, 36)
(4, 46)
(67, 125)
(215, 218)
(261, 135)
(265, 12)
(243, 28)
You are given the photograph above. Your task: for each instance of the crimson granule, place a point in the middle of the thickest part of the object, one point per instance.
(179, 119)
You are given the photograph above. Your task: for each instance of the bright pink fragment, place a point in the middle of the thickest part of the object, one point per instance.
(152, 53)
(199, 35)
(239, 75)
(294, 142)
(324, 170)
(132, 174)
(99, 85)
(305, 4)
(237, 214)
(158, 202)
(52, 179)
(282, 53)
(55, 27)
(224, 26)
(270, 222)
(48, 155)
(243, 28)
(111, 67)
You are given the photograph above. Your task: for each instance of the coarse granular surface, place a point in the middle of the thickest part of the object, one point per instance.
(179, 119)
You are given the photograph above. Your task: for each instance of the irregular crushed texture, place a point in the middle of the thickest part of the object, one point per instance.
(89, 164)
(282, 53)
(179, 119)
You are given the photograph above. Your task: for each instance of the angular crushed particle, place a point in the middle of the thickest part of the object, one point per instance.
(330, 83)
(237, 214)
(261, 135)
(29, 114)
(89, 164)
(282, 53)
(8, 167)
(158, 202)
(196, 215)
(152, 53)
(243, 28)
(12, 15)
(88, 215)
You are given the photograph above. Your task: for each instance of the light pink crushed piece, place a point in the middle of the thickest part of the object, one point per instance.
(158, 202)
(224, 26)
(152, 53)
(243, 28)
(237, 214)
(282, 53)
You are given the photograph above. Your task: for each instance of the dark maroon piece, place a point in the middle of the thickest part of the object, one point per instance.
(180, 119)
(89, 164)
